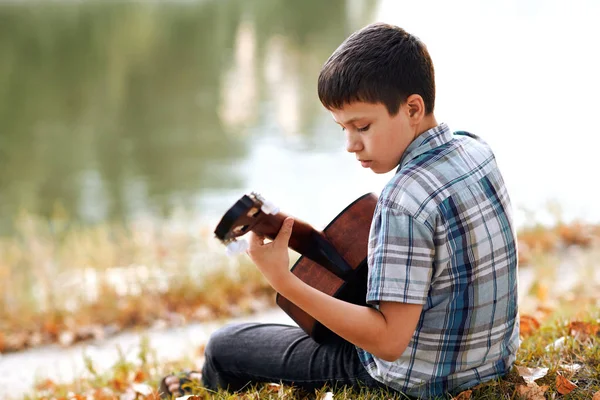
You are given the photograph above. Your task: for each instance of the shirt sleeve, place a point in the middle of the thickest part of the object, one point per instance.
(400, 259)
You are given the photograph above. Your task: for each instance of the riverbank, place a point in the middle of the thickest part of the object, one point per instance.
(64, 284)
(21, 372)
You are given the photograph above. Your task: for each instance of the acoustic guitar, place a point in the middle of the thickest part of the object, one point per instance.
(333, 261)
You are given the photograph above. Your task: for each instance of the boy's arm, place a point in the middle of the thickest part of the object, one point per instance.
(384, 333)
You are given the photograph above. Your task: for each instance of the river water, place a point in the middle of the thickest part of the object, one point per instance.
(114, 111)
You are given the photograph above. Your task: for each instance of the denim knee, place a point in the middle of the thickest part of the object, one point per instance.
(220, 353)
(222, 341)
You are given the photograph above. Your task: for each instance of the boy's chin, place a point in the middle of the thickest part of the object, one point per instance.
(379, 170)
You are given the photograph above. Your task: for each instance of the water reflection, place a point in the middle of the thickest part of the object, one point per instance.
(112, 109)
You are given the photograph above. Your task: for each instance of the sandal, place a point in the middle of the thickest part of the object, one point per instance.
(186, 385)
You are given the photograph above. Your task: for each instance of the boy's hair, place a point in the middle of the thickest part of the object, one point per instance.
(380, 63)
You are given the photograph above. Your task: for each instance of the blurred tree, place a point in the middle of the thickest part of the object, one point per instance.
(108, 107)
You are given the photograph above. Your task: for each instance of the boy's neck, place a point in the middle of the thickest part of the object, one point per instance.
(426, 124)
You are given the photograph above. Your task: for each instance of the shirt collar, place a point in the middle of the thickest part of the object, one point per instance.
(430, 139)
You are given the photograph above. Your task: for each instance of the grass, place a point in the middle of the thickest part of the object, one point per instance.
(580, 346)
(65, 283)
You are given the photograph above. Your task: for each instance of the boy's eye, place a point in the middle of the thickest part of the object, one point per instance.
(363, 129)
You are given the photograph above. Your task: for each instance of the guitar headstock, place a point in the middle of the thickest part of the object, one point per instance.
(240, 219)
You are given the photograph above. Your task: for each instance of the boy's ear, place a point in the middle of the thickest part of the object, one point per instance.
(416, 107)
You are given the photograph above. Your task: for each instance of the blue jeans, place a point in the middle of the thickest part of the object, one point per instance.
(244, 354)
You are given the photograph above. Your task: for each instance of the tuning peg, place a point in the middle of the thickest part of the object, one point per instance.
(236, 247)
(269, 208)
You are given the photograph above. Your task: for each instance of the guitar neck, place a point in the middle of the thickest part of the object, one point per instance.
(305, 240)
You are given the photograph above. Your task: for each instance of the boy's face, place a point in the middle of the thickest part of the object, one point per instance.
(377, 139)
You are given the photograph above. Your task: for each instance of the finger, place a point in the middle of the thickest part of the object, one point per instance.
(255, 241)
(283, 237)
(169, 380)
(174, 389)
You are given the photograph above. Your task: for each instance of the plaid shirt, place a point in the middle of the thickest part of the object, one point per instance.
(442, 236)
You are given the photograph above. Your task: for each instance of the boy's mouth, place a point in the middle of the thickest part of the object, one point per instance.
(365, 163)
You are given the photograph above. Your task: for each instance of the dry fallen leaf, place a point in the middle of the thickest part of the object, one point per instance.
(558, 344)
(118, 384)
(103, 394)
(563, 385)
(327, 396)
(531, 391)
(583, 330)
(528, 325)
(140, 376)
(544, 311)
(596, 396)
(189, 397)
(273, 387)
(572, 368)
(466, 395)
(47, 384)
(51, 326)
(531, 374)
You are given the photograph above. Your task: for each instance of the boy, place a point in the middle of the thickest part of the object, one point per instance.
(442, 256)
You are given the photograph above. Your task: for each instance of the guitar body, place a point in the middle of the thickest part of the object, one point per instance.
(349, 235)
(333, 261)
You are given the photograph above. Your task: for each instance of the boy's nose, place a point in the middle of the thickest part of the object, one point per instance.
(353, 145)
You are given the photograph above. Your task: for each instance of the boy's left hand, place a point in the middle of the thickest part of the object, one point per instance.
(272, 259)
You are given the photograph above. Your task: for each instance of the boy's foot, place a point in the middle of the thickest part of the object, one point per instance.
(172, 386)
